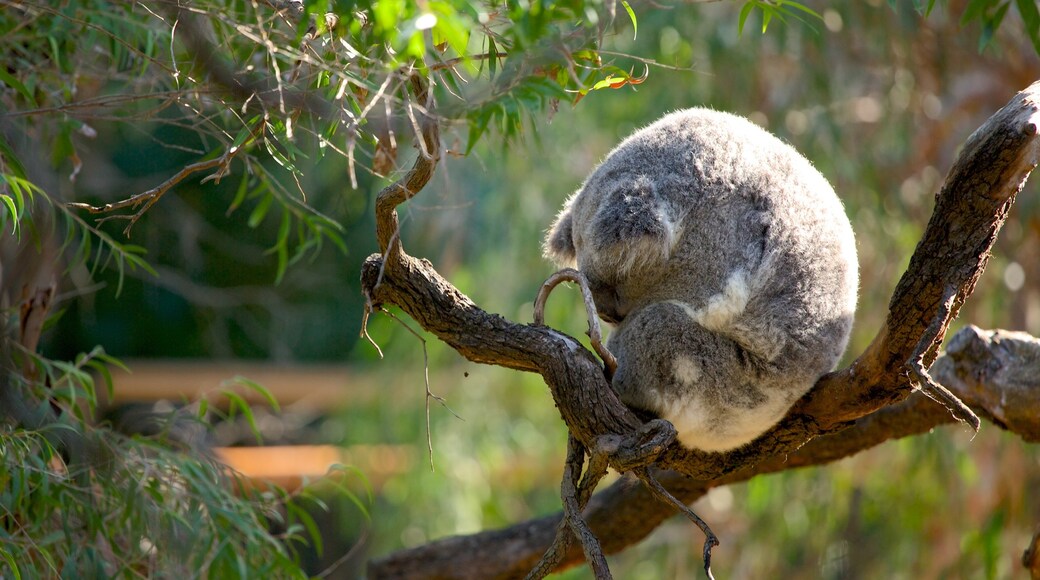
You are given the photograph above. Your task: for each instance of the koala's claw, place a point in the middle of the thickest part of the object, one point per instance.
(643, 446)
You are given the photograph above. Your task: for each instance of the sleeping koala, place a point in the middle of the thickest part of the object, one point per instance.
(728, 264)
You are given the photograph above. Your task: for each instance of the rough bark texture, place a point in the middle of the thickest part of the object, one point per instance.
(847, 411)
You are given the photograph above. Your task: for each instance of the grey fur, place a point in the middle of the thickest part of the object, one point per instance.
(728, 264)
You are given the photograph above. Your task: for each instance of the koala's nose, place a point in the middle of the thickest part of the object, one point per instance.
(610, 309)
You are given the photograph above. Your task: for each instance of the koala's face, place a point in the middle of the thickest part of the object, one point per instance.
(609, 304)
(568, 245)
(616, 232)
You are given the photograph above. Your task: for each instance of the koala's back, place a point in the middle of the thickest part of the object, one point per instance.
(729, 264)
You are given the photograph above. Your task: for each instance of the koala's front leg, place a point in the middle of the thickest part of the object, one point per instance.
(718, 395)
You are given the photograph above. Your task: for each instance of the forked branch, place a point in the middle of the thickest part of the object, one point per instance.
(871, 395)
(143, 201)
(387, 225)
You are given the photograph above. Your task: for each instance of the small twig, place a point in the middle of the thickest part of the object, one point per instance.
(361, 544)
(451, 63)
(658, 491)
(572, 512)
(554, 554)
(575, 497)
(648, 61)
(149, 198)
(426, 377)
(638, 449)
(364, 324)
(596, 337)
(924, 381)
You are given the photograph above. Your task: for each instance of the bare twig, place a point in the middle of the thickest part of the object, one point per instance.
(595, 336)
(453, 62)
(934, 390)
(426, 378)
(364, 325)
(145, 200)
(575, 496)
(658, 490)
(572, 469)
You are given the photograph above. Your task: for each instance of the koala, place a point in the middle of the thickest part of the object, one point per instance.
(728, 266)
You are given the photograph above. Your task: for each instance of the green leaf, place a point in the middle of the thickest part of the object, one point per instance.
(477, 127)
(1031, 18)
(744, 13)
(258, 389)
(260, 211)
(785, 4)
(492, 59)
(312, 528)
(240, 194)
(281, 246)
(7, 557)
(236, 404)
(106, 375)
(11, 209)
(632, 16)
(974, 10)
(990, 26)
(339, 485)
(12, 160)
(9, 80)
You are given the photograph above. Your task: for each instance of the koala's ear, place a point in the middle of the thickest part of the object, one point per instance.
(559, 242)
(633, 227)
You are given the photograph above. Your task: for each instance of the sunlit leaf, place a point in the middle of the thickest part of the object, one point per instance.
(632, 17)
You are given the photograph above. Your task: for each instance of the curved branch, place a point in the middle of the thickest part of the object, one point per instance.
(970, 209)
(1007, 364)
(595, 336)
(411, 183)
(142, 202)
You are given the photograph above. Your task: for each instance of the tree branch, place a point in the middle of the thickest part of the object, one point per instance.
(143, 201)
(429, 145)
(970, 209)
(625, 513)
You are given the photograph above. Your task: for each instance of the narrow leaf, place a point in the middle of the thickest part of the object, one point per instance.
(632, 16)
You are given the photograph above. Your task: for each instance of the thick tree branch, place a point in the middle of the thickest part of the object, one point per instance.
(625, 513)
(970, 209)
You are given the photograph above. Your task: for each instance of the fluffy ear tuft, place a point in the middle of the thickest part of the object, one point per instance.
(559, 242)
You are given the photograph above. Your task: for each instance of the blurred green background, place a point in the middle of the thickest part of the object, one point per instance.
(879, 98)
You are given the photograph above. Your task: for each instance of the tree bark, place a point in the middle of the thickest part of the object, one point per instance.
(625, 513)
(847, 411)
